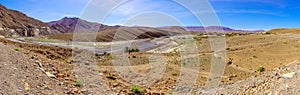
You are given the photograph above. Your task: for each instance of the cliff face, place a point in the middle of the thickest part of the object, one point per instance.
(14, 24)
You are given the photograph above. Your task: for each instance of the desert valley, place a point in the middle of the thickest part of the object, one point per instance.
(75, 56)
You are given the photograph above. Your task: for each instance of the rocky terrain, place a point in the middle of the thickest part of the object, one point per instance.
(15, 24)
(282, 81)
(17, 77)
(68, 25)
(256, 63)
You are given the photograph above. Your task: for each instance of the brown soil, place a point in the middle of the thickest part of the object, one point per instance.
(285, 31)
(246, 52)
(41, 59)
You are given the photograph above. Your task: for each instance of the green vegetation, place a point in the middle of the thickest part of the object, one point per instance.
(17, 49)
(78, 83)
(127, 49)
(97, 54)
(261, 69)
(231, 34)
(175, 74)
(136, 89)
(268, 33)
(66, 69)
(227, 48)
(169, 92)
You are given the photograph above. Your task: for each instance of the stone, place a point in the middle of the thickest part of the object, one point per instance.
(50, 75)
(289, 75)
(27, 87)
(60, 75)
(115, 84)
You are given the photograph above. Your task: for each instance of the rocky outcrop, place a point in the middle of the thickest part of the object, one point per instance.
(14, 24)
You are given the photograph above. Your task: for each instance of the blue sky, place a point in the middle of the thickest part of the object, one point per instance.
(240, 14)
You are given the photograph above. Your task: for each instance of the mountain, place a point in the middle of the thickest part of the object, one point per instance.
(68, 24)
(216, 29)
(14, 23)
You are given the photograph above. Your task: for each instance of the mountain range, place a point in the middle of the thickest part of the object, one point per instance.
(16, 24)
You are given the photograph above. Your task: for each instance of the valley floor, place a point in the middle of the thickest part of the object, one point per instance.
(85, 72)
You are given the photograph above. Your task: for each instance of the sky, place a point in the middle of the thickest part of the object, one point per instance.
(238, 14)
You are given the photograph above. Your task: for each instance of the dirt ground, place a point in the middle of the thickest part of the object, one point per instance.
(246, 53)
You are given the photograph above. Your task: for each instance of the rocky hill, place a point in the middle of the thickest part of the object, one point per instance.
(86, 29)
(69, 24)
(14, 23)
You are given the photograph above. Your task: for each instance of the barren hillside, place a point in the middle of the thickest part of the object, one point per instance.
(15, 23)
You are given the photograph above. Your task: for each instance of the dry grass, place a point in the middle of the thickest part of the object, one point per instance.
(285, 30)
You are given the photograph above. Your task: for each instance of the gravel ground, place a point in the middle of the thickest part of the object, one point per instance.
(282, 81)
(20, 75)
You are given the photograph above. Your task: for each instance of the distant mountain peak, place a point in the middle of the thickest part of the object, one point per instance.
(68, 25)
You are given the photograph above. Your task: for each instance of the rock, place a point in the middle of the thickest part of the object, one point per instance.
(76, 90)
(27, 87)
(111, 77)
(39, 63)
(60, 75)
(50, 75)
(115, 84)
(289, 75)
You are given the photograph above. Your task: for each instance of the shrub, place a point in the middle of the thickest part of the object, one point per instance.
(254, 56)
(135, 89)
(261, 69)
(17, 49)
(97, 54)
(131, 50)
(175, 74)
(78, 83)
(227, 48)
(268, 33)
(170, 92)
(230, 61)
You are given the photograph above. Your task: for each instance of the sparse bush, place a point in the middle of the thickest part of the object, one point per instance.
(97, 54)
(254, 56)
(127, 49)
(105, 53)
(230, 61)
(136, 89)
(66, 69)
(170, 92)
(261, 69)
(175, 74)
(134, 50)
(17, 49)
(268, 33)
(78, 83)
(227, 48)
